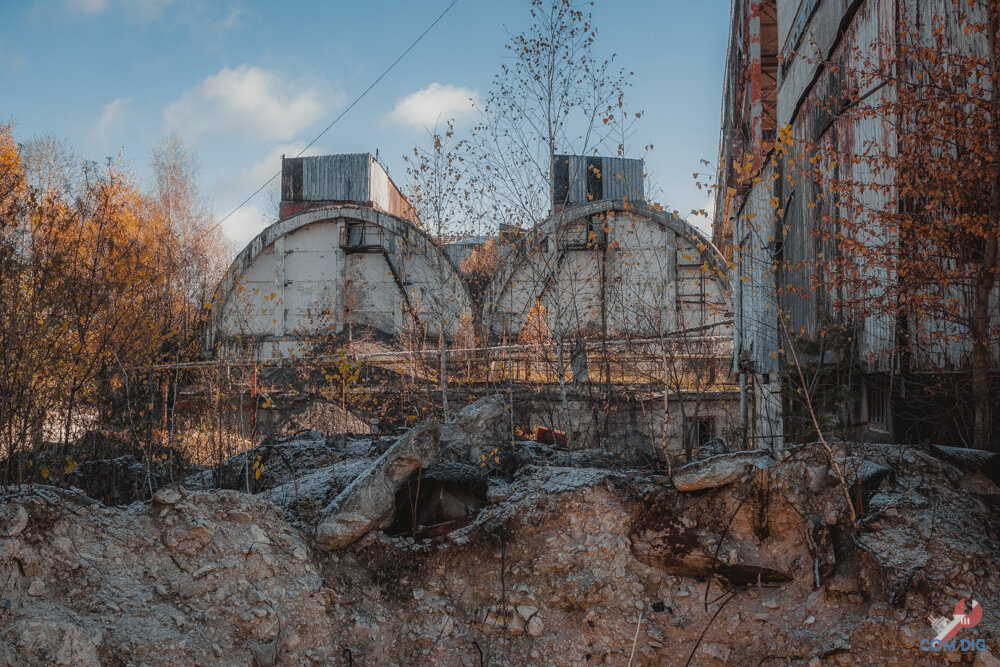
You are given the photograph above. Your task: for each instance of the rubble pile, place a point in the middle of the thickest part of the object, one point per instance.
(405, 551)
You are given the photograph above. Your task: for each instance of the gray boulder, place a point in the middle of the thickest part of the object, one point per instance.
(968, 459)
(479, 433)
(632, 447)
(368, 503)
(713, 447)
(719, 470)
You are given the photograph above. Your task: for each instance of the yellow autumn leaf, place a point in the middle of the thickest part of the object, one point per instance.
(45, 472)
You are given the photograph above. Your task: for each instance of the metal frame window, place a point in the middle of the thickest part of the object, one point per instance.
(698, 431)
(361, 237)
(584, 234)
(877, 404)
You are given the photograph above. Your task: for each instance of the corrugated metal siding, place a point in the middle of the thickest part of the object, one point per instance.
(817, 126)
(577, 179)
(799, 71)
(940, 343)
(353, 177)
(755, 300)
(336, 177)
(629, 185)
(622, 179)
(787, 11)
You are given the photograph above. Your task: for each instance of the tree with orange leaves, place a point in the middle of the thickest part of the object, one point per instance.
(89, 287)
(910, 221)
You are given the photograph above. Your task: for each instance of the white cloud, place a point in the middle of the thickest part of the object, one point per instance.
(111, 118)
(245, 224)
(256, 102)
(231, 20)
(262, 211)
(252, 177)
(86, 6)
(437, 102)
(703, 223)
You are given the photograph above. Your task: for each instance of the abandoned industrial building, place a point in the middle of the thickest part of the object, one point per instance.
(345, 252)
(812, 206)
(514, 410)
(606, 271)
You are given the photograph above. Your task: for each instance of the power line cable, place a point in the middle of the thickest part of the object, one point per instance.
(342, 113)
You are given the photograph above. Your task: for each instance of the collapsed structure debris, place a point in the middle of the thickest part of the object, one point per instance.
(561, 557)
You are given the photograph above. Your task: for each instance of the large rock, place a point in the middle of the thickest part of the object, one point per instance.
(368, 503)
(479, 434)
(199, 582)
(632, 446)
(969, 459)
(719, 470)
(13, 519)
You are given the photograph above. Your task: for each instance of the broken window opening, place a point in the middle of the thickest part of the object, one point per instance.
(698, 431)
(877, 404)
(585, 234)
(361, 237)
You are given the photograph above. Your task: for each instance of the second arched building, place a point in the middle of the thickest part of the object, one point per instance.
(607, 264)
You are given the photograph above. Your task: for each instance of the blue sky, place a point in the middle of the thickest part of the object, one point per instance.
(243, 82)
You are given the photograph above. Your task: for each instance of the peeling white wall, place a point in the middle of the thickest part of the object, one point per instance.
(294, 286)
(657, 275)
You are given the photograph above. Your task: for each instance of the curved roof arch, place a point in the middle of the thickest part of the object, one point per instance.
(710, 254)
(290, 224)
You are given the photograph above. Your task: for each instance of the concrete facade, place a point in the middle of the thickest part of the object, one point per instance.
(607, 268)
(311, 274)
(635, 300)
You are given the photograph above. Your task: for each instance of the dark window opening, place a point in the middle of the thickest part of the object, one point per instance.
(877, 404)
(585, 234)
(361, 237)
(698, 431)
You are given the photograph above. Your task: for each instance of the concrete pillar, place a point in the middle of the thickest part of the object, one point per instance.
(670, 282)
(279, 287)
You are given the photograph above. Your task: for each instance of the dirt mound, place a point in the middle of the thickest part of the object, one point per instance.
(557, 565)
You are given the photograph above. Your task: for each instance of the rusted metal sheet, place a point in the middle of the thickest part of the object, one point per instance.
(800, 66)
(753, 66)
(353, 177)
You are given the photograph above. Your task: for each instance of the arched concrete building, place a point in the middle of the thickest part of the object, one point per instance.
(331, 263)
(614, 268)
